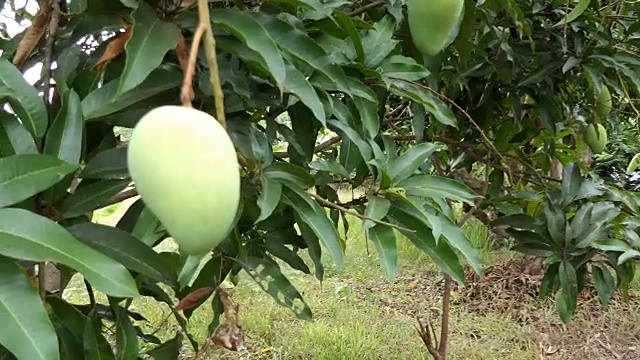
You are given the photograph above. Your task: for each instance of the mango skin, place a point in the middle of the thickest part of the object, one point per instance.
(185, 168)
(432, 23)
(596, 137)
(603, 102)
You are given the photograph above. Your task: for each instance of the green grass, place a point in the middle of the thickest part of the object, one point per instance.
(347, 326)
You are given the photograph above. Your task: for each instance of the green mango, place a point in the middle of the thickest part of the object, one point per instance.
(434, 24)
(595, 135)
(185, 168)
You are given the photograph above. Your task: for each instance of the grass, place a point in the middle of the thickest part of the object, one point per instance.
(360, 315)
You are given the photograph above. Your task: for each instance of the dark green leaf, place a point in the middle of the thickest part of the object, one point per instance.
(126, 336)
(64, 138)
(104, 100)
(28, 332)
(516, 221)
(91, 197)
(438, 187)
(431, 102)
(28, 236)
(244, 27)
(406, 215)
(124, 248)
(368, 116)
(169, 350)
(280, 250)
(23, 98)
(458, 239)
(22, 176)
(287, 172)
(108, 164)
(269, 197)
(268, 276)
(151, 38)
(316, 218)
(96, 346)
(297, 84)
(377, 208)
(604, 283)
(300, 45)
(15, 139)
(313, 245)
(403, 166)
(330, 166)
(402, 67)
(384, 239)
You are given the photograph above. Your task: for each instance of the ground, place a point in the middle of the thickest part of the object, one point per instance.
(360, 315)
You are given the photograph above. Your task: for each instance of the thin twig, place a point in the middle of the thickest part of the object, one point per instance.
(335, 206)
(446, 309)
(367, 7)
(186, 93)
(210, 50)
(320, 147)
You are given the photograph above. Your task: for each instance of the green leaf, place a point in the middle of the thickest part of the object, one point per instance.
(402, 67)
(368, 116)
(378, 42)
(347, 24)
(104, 100)
(458, 239)
(125, 249)
(316, 218)
(431, 102)
(108, 164)
(22, 176)
(568, 283)
(516, 221)
(331, 166)
(384, 239)
(634, 164)
(297, 84)
(405, 214)
(347, 131)
(627, 255)
(604, 283)
(287, 172)
(377, 208)
(96, 346)
(268, 276)
(276, 247)
(403, 166)
(151, 39)
(91, 197)
(28, 236)
(23, 98)
(582, 6)
(15, 139)
(438, 187)
(313, 245)
(28, 332)
(269, 197)
(169, 350)
(64, 138)
(563, 306)
(300, 45)
(253, 34)
(126, 335)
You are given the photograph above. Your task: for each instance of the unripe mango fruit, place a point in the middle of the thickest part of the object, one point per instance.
(433, 23)
(595, 135)
(185, 168)
(603, 102)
